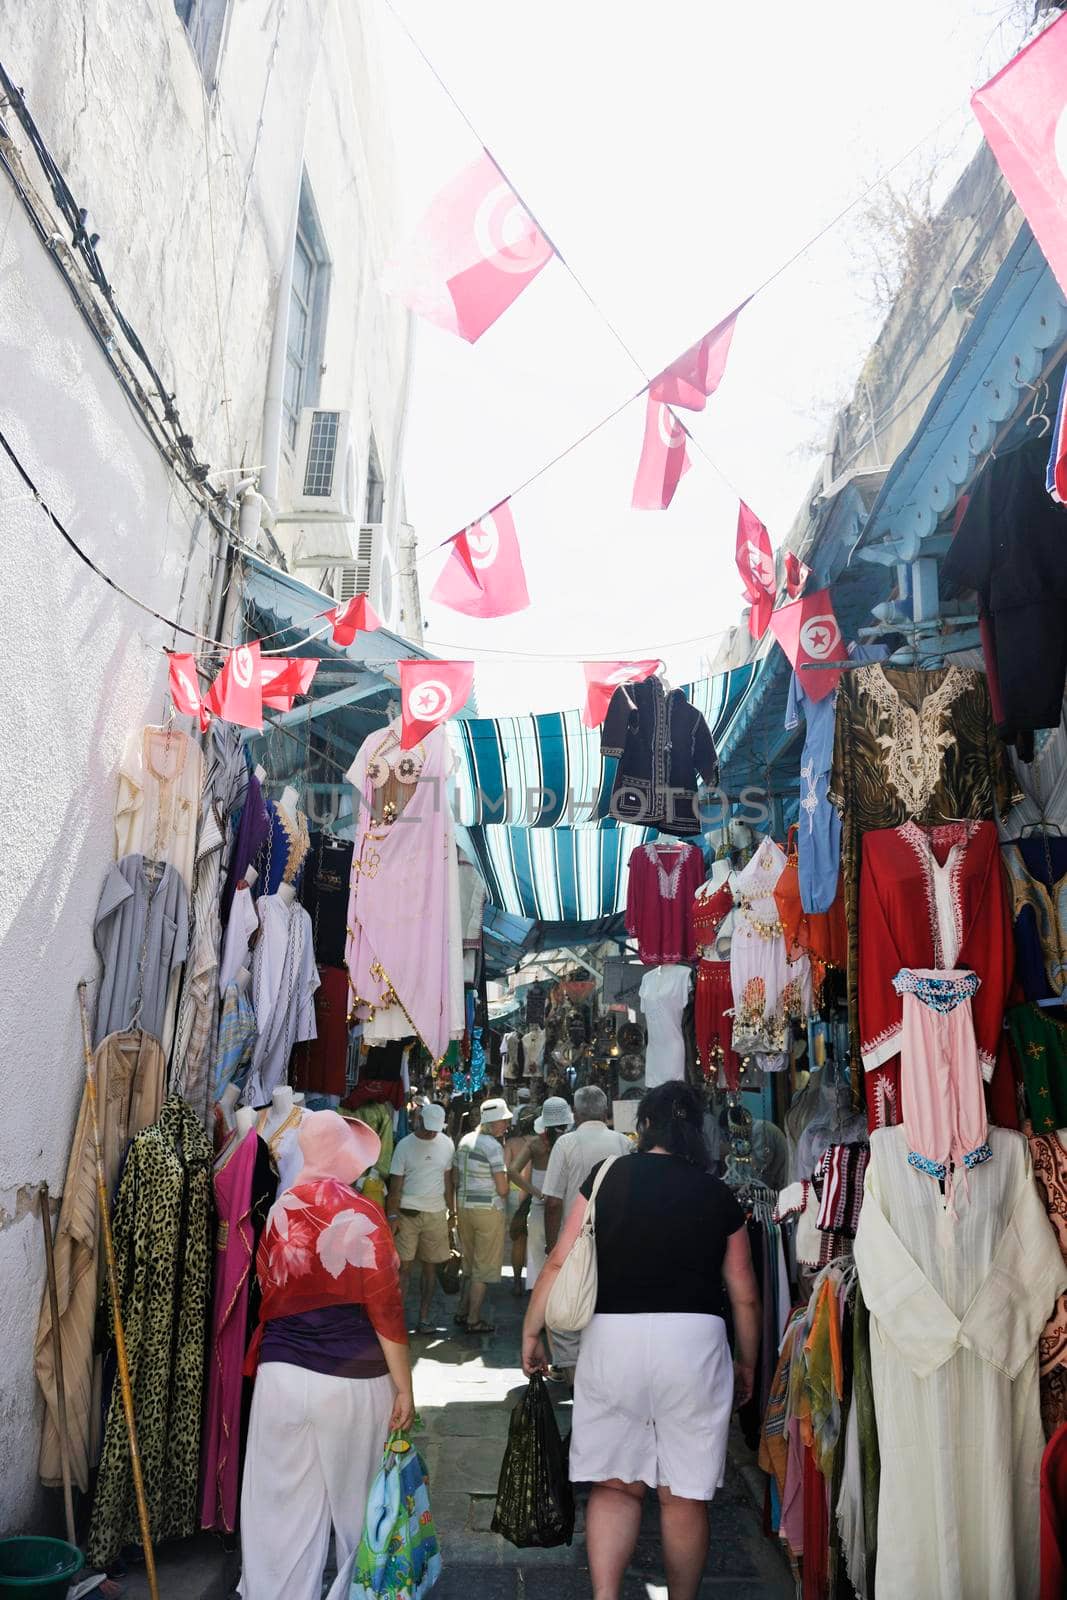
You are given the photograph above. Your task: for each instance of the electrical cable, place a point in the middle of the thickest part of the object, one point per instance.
(169, 622)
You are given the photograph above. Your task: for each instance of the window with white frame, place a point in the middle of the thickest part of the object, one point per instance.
(308, 300)
(205, 21)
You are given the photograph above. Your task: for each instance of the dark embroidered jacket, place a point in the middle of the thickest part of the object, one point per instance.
(665, 749)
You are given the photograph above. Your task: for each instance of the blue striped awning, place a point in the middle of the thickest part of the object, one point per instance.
(558, 875)
(531, 793)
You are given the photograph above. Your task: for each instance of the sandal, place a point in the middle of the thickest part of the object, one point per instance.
(460, 1320)
(425, 1327)
(481, 1327)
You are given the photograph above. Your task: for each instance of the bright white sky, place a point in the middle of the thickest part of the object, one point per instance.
(678, 155)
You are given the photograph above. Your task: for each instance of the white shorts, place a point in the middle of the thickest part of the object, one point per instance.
(653, 1396)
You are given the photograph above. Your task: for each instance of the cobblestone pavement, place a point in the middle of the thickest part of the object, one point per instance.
(465, 1388)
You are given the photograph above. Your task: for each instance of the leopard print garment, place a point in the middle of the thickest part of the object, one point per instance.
(162, 1228)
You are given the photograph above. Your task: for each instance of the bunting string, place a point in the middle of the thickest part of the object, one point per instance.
(772, 277)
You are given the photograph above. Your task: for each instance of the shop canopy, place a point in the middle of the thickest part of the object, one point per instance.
(868, 531)
(531, 791)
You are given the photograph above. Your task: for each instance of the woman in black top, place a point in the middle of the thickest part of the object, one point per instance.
(654, 1387)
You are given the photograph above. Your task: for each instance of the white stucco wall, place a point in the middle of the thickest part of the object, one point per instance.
(117, 93)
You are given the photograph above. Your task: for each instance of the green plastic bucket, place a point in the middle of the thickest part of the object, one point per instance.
(37, 1569)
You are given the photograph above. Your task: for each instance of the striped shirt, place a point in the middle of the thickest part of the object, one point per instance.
(478, 1157)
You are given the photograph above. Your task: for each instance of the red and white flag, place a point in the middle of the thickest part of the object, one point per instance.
(185, 690)
(355, 616)
(696, 374)
(430, 693)
(285, 677)
(483, 576)
(807, 631)
(755, 563)
(237, 693)
(476, 250)
(602, 678)
(796, 575)
(1023, 113)
(664, 459)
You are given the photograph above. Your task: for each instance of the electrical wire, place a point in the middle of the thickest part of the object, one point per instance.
(68, 538)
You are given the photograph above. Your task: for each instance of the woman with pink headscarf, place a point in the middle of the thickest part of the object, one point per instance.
(331, 1365)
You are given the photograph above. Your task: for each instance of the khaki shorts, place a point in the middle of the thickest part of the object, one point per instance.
(481, 1240)
(422, 1236)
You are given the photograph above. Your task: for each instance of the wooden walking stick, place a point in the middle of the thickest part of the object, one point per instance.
(116, 1309)
(57, 1357)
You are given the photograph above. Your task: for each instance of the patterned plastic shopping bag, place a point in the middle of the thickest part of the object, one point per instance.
(399, 1557)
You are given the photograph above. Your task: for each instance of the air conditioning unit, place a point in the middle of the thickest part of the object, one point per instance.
(325, 478)
(373, 573)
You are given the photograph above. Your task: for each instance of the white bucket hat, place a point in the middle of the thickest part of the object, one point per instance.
(555, 1113)
(494, 1111)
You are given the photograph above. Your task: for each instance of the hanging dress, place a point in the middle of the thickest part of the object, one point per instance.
(161, 1231)
(662, 879)
(714, 995)
(405, 948)
(908, 745)
(931, 898)
(768, 988)
(957, 1305)
(229, 1331)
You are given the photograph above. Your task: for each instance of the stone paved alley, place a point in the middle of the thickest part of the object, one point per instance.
(464, 1389)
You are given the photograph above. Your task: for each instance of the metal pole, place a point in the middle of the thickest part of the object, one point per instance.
(116, 1309)
(57, 1357)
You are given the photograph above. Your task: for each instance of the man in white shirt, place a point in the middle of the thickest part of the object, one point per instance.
(481, 1194)
(572, 1160)
(421, 1200)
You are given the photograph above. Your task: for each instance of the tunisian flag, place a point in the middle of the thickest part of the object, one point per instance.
(1023, 113)
(664, 459)
(185, 690)
(237, 693)
(483, 576)
(284, 677)
(796, 575)
(355, 616)
(807, 631)
(602, 678)
(755, 563)
(430, 693)
(476, 250)
(697, 373)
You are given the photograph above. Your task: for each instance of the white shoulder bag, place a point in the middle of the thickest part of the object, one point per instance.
(572, 1298)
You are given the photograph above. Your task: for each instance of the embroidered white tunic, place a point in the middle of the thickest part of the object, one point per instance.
(956, 1307)
(768, 988)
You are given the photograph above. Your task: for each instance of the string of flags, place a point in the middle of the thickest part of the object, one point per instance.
(477, 250)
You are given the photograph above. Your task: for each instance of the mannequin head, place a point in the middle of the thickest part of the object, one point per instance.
(334, 1147)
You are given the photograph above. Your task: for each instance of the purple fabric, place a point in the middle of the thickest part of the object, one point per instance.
(337, 1340)
(252, 832)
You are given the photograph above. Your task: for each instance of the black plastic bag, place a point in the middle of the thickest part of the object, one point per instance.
(534, 1498)
(449, 1273)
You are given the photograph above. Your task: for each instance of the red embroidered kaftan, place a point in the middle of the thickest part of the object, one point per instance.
(932, 898)
(659, 901)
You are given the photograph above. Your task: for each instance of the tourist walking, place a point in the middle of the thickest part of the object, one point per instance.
(573, 1158)
(526, 1170)
(421, 1203)
(654, 1386)
(331, 1362)
(481, 1195)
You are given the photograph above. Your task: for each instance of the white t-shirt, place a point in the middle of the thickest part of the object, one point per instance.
(574, 1157)
(422, 1163)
